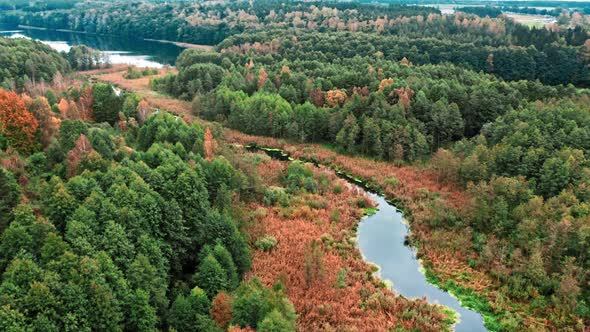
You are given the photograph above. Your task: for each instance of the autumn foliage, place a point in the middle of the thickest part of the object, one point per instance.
(317, 97)
(385, 83)
(209, 144)
(420, 191)
(221, 309)
(335, 97)
(404, 95)
(16, 122)
(262, 78)
(81, 150)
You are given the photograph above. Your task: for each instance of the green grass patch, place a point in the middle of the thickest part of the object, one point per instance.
(493, 321)
(370, 211)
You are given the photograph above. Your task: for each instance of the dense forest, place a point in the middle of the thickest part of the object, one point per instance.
(111, 225)
(119, 214)
(420, 34)
(23, 61)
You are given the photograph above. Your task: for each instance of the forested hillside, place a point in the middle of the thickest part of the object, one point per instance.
(23, 61)
(137, 207)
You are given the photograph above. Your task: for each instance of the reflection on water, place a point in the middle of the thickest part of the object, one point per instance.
(381, 241)
(118, 50)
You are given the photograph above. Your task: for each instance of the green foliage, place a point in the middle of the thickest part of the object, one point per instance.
(488, 11)
(9, 197)
(184, 315)
(82, 57)
(275, 322)
(69, 132)
(22, 60)
(261, 114)
(341, 279)
(102, 247)
(167, 128)
(142, 317)
(210, 276)
(133, 73)
(266, 243)
(253, 304)
(193, 80)
(130, 105)
(300, 177)
(106, 103)
(226, 261)
(276, 195)
(51, 97)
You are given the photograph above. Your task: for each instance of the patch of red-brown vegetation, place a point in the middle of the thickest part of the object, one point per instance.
(310, 272)
(412, 186)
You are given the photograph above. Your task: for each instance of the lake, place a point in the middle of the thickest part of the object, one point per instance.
(118, 50)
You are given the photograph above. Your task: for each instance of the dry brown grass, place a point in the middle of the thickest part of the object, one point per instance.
(141, 87)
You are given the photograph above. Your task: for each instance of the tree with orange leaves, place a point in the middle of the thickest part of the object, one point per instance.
(85, 101)
(405, 62)
(385, 83)
(262, 78)
(221, 309)
(81, 150)
(143, 111)
(335, 97)
(64, 108)
(209, 144)
(16, 122)
(49, 123)
(73, 113)
(404, 95)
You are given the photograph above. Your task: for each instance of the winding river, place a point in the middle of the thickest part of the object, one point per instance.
(381, 239)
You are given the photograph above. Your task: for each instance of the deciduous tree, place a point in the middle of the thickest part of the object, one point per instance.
(16, 122)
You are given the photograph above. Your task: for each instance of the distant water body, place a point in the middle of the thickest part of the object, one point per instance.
(117, 50)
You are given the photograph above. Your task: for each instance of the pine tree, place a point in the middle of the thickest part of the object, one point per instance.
(210, 276)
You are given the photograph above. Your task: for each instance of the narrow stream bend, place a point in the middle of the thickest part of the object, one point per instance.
(381, 240)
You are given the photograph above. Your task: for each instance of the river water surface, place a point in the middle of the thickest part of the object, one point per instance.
(381, 238)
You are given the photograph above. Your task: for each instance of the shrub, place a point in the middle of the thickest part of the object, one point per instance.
(132, 74)
(266, 243)
(337, 189)
(276, 195)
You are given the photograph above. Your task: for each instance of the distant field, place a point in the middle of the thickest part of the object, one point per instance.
(531, 20)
